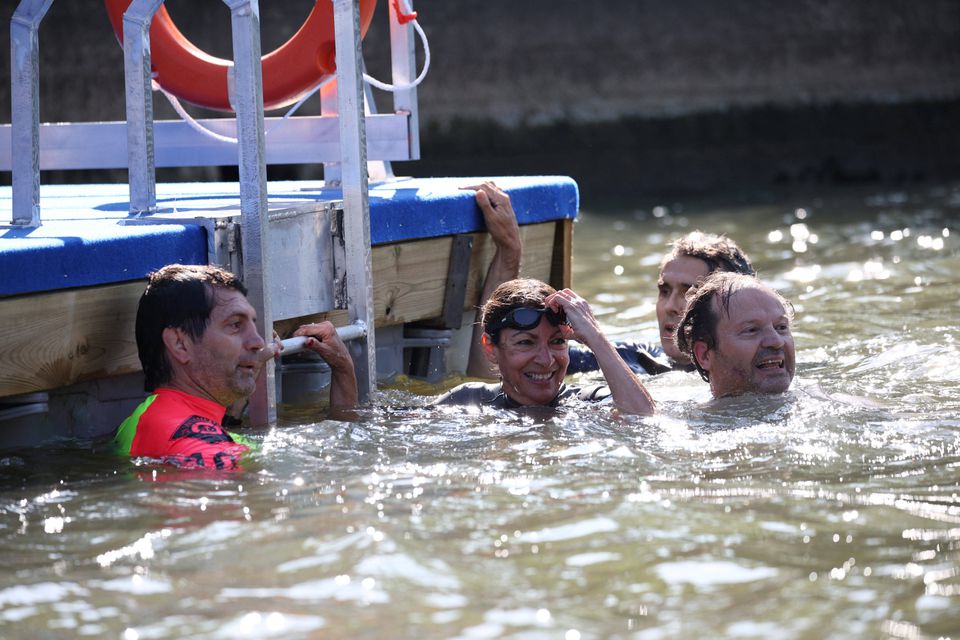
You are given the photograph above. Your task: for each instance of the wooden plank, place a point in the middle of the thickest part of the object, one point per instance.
(409, 278)
(59, 338)
(55, 339)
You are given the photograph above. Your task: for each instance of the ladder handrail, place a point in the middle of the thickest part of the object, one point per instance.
(25, 110)
(248, 103)
(356, 218)
(142, 174)
(27, 141)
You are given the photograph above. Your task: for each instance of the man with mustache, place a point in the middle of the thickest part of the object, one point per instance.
(692, 258)
(737, 333)
(201, 353)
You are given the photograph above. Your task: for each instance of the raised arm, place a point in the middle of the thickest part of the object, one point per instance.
(502, 225)
(629, 395)
(343, 378)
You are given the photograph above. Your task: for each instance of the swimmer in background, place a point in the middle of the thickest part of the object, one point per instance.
(692, 258)
(737, 332)
(201, 353)
(525, 327)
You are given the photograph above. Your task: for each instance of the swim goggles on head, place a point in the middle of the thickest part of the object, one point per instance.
(525, 318)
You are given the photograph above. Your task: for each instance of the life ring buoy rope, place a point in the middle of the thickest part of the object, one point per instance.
(289, 72)
(405, 15)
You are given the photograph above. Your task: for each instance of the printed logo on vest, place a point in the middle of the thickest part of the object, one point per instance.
(201, 429)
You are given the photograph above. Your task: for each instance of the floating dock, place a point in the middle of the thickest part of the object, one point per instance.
(405, 256)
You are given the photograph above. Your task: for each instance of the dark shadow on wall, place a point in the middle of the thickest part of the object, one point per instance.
(877, 61)
(720, 152)
(711, 152)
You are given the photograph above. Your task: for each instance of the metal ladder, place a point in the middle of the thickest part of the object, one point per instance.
(348, 164)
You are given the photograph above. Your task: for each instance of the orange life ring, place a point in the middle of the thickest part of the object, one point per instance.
(289, 72)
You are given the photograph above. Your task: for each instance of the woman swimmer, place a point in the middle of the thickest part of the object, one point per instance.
(531, 354)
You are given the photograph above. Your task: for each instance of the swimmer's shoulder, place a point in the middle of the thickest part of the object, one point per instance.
(819, 393)
(470, 393)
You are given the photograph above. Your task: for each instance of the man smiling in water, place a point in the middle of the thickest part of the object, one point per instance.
(691, 259)
(736, 331)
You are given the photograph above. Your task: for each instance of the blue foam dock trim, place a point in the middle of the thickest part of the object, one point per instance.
(85, 254)
(429, 207)
(82, 241)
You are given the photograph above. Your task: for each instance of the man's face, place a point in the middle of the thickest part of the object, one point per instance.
(754, 351)
(677, 275)
(225, 361)
(532, 363)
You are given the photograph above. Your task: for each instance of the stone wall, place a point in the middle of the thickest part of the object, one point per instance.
(543, 61)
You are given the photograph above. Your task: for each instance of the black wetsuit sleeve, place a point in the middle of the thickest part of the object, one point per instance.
(470, 393)
(594, 393)
(640, 357)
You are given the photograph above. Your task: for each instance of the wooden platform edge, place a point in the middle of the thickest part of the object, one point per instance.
(55, 339)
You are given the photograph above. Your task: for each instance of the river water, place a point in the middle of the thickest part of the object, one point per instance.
(832, 511)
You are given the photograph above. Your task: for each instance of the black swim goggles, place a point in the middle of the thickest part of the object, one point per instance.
(525, 318)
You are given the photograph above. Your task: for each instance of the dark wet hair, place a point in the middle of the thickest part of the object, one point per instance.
(181, 297)
(718, 251)
(700, 318)
(512, 294)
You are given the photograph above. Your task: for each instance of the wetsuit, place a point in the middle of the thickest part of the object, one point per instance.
(641, 358)
(182, 429)
(492, 395)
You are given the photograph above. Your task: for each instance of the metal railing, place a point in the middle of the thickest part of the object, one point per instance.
(27, 145)
(338, 138)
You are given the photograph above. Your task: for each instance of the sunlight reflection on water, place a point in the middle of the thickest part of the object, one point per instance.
(830, 511)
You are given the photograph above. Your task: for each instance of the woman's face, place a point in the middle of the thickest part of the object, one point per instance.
(532, 362)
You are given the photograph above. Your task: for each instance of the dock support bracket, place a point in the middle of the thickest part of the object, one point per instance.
(457, 271)
(455, 293)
